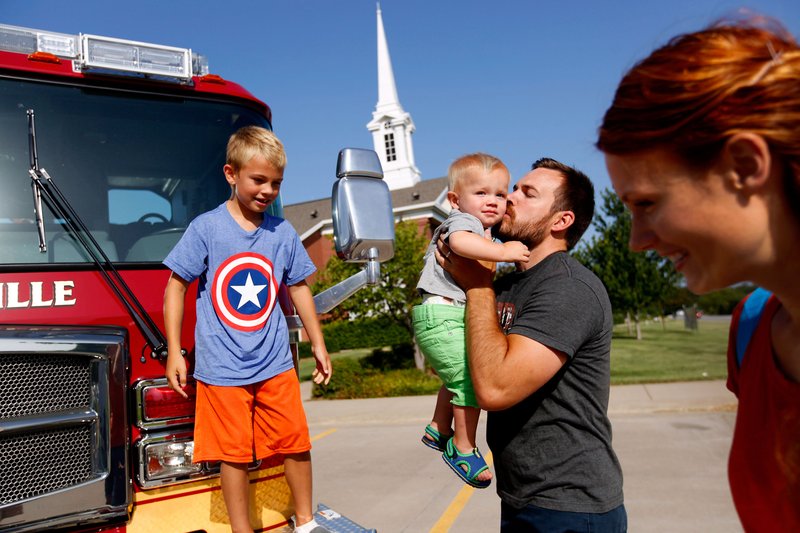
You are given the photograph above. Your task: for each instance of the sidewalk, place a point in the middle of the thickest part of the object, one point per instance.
(672, 440)
(666, 397)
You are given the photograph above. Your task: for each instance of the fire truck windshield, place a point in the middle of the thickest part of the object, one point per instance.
(136, 167)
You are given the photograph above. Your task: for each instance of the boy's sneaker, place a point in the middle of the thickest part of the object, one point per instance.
(310, 527)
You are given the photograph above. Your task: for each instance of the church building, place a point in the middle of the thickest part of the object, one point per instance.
(424, 201)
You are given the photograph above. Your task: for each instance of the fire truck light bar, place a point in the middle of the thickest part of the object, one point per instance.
(130, 56)
(28, 41)
(57, 44)
(106, 53)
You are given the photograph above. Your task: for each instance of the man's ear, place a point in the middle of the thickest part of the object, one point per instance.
(453, 199)
(563, 220)
(747, 161)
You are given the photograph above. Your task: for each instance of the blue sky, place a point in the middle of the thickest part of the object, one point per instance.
(518, 79)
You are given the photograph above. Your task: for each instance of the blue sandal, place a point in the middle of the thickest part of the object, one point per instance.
(474, 463)
(437, 441)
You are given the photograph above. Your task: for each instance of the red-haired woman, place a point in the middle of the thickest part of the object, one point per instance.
(702, 143)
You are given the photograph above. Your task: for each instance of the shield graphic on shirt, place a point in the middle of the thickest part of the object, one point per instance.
(245, 291)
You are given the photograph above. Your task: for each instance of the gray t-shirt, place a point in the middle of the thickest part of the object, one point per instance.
(434, 279)
(553, 449)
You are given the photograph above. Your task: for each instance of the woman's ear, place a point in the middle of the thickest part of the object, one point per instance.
(748, 161)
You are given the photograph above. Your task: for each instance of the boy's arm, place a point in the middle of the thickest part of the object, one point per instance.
(473, 246)
(174, 297)
(304, 303)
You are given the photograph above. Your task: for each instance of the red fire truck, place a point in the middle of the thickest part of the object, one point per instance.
(108, 149)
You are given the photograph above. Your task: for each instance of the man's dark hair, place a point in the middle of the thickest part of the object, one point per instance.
(576, 194)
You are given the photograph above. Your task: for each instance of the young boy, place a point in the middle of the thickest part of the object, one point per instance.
(477, 190)
(248, 396)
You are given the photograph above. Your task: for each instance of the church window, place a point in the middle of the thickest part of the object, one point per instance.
(391, 153)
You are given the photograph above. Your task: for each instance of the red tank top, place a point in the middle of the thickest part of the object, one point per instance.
(764, 464)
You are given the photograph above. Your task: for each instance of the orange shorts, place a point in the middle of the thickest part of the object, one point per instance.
(241, 424)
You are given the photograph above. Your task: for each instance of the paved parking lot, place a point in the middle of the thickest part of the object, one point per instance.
(672, 441)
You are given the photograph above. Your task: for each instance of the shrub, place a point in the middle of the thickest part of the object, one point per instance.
(399, 357)
(381, 374)
(362, 333)
(347, 381)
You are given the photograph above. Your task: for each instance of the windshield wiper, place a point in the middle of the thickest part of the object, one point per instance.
(45, 188)
(37, 191)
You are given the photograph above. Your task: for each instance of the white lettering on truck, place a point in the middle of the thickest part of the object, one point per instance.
(61, 292)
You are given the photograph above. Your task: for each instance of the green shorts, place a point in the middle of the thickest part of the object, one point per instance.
(439, 330)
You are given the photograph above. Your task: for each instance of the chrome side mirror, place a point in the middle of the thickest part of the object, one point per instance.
(363, 220)
(363, 224)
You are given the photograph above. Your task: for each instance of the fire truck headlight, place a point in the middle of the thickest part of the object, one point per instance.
(169, 459)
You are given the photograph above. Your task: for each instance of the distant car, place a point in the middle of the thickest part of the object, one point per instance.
(699, 314)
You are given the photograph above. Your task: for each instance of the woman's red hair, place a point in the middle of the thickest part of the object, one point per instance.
(701, 88)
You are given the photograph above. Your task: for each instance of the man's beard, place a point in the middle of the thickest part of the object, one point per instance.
(531, 234)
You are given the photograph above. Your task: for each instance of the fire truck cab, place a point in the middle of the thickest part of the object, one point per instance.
(108, 149)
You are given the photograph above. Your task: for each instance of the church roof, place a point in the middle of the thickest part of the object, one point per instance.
(308, 217)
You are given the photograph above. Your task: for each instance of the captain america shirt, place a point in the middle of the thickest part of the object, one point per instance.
(241, 336)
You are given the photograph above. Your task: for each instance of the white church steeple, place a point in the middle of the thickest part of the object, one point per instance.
(391, 127)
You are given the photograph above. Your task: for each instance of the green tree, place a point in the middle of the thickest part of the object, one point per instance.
(396, 293)
(637, 283)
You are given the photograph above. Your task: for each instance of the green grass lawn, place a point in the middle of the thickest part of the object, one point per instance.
(671, 354)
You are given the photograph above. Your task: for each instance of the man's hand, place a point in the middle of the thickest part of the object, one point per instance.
(467, 273)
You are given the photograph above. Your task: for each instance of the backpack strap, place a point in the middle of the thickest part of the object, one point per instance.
(748, 320)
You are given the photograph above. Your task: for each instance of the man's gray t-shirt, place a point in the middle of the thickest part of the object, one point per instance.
(553, 449)
(434, 279)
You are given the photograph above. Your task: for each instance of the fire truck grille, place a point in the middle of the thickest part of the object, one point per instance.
(43, 384)
(42, 462)
(60, 389)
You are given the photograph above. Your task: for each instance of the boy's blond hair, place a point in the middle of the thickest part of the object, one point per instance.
(466, 163)
(251, 140)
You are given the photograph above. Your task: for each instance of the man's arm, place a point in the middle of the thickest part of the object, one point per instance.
(303, 301)
(505, 369)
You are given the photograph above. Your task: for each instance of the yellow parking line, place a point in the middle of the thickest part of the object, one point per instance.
(452, 512)
(323, 434)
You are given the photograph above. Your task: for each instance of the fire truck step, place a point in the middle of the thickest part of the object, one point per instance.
(336, 522)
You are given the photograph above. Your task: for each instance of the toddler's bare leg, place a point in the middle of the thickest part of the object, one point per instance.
(443, 413)
(466, 427)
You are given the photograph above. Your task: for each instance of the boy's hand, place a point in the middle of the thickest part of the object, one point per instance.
(322, 373)
(176, 371)
(515, 251)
